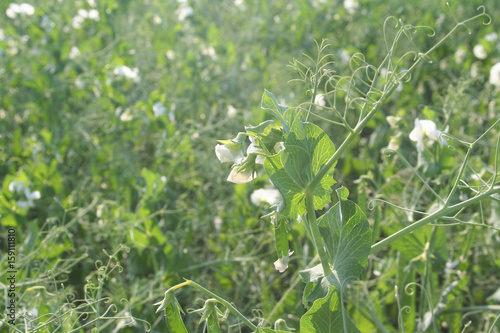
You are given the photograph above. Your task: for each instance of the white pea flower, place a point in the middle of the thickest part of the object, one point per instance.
(16, 186)
(124, 115)
(159, 109)
(269, 196)
(209, 51)
(495, 74)
(229, 153)
(77, 22)
(19, 188)
(241, 175)
(253, 149)
(124, 72)
(23, 9)
(480, 52)
(320, 100)
(491, 37)
(184, 12)
(170, 55)
(157, 20)
(231, 111)
(93, 14)
(351, 6)
(74, 52)
(218, 223)
(426, 133)
(240, 4)
(282, 263)
(83, 14)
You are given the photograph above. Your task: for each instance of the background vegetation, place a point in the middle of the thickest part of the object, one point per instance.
(110, 178)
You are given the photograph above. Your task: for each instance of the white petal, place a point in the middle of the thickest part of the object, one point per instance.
(269, 196)
(16, 186)
(429, 128)
(260, 159)
(159, 109)
(281, 264)
(242, 177)
(35, 195)
(495, 74)
(223, 154)
(27, 9)
(417, 134)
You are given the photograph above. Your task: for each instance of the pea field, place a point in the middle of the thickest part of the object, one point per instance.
(307, 166)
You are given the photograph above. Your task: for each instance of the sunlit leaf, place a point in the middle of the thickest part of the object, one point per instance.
(347, 237)
(326, 316)
(307, 149)
(270, 103)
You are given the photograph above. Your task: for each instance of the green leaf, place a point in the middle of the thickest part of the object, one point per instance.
(326, 316)
(307, 149)
(347, 236)
(416, 247)
(342, 193)
(270, 103)
(314, 290)
(267, 132)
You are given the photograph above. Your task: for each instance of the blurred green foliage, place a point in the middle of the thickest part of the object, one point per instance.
(125, 155)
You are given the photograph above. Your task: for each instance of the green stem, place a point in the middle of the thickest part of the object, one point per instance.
(350, 138)
(433, 217)
(315, 234)
(219, 299)
(483, 308)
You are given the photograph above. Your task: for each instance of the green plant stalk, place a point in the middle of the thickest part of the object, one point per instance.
(315, 234)
(482, 308)
(219, 299)
(433, 217)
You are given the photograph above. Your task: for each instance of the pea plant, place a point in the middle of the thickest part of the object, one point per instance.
(300, 160)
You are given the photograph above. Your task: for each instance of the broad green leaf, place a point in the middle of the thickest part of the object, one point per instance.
(347, 236)
(326, 316)
(314, 290)
(268, 133)
(416, 247)
(346, 233)
(307, 149)
(270, 103)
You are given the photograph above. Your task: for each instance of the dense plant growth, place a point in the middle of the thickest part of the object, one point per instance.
(376, 199)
